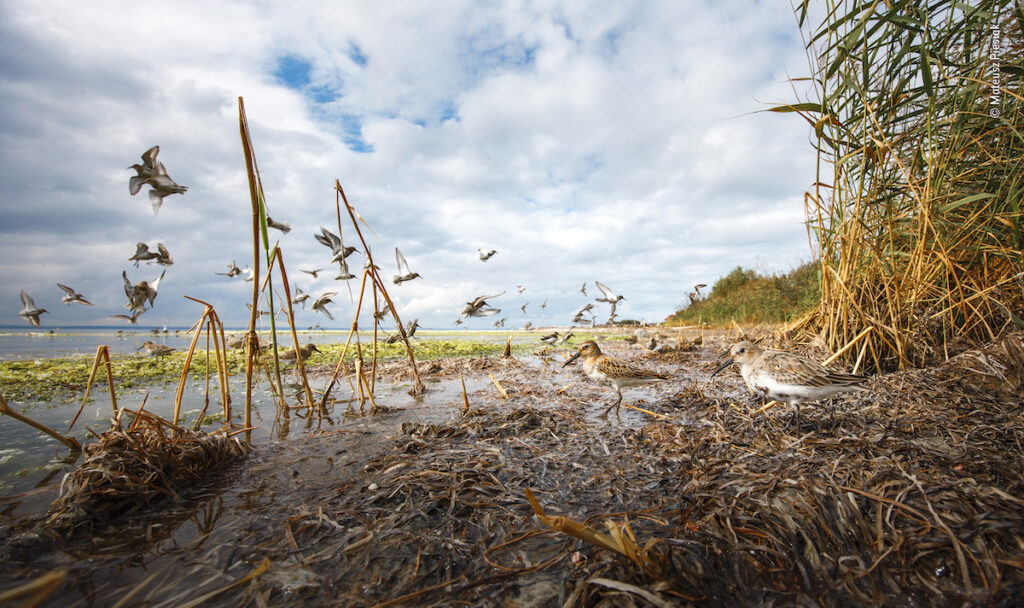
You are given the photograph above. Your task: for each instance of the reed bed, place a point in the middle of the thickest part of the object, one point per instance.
(916, 211)
(129, 469)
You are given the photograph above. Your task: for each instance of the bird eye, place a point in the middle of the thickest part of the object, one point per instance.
(740, 351)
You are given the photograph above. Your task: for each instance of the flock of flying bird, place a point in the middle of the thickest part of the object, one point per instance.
(142, 295)
(150, 172)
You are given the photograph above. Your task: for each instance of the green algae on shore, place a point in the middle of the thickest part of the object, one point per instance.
(44, 379)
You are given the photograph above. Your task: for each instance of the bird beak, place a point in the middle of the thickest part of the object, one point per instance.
(721, 367)
(571, 359)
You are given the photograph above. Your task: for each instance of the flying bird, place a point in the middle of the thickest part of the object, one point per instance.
(486, 255)
(345, 273)
(300, 297)
(30, 312)
(132, 318)
(404, 274)
(609, 295)
(70, 295)
(333, 241)
(142, 254)
(163, 257)
(153, 173)
(249, 273)
(147, 169)
(320, 305)
(140, 293)
(284, 227)
(583, 289)
(550, 338)
(313, 272)
(477, 308)
(521, 288)
(787, 377)
(233, 269)
(523, 307)
(545, 304)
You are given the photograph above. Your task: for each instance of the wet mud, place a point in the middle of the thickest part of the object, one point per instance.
(909, 494)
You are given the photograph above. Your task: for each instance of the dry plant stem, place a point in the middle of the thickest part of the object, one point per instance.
(575, 529)
(344, 351)
(849, 344)
(251, 332)
(418, 388)
(221, 350)
(501, 390)
(100, 350)
(291, 323)
(40, 588)
(71, 442)
(184, 370)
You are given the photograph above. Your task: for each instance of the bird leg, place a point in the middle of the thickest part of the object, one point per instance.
(795, 420)
(614, 405)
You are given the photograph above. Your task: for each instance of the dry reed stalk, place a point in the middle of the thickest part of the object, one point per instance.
(920, 230)
(102, 353)
(243, 127)
(300, 364)
(6, 409)
(501, 390)
(39, 588)
(379, 284)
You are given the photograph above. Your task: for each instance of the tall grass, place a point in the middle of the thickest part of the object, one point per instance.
(916, 208)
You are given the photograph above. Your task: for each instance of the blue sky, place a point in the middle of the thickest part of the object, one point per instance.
(618, 142)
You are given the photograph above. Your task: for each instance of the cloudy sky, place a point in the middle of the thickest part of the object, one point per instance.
(615, 141)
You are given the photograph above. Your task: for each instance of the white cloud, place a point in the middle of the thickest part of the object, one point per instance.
(616, 142)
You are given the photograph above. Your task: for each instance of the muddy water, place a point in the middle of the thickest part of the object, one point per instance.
(198, 538)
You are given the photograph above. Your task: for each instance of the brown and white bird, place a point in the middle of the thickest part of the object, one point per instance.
(70, 295)
(786, 376)
(140, 293)
(305, 351)
(404, 274)
(30, 312)
(155, 350)
(132, 318)
(320, 304)
(616, 373)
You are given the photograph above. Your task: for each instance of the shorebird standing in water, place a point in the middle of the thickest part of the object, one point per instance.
(787, 377)
(305, 351)
(155, 350)
(70, 295)
(30, 312)
(404, 274)
(608, 371)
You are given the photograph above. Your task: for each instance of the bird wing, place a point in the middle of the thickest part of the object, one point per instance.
(788, 368)
(163, 250)
(135, 184)
(403, 266)
(153, 288)
(149, 157)
(156, 200)
(27, 300)
(482, 300)
(128, 289)
(67, 290)
(608, 293)
(328, 239)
